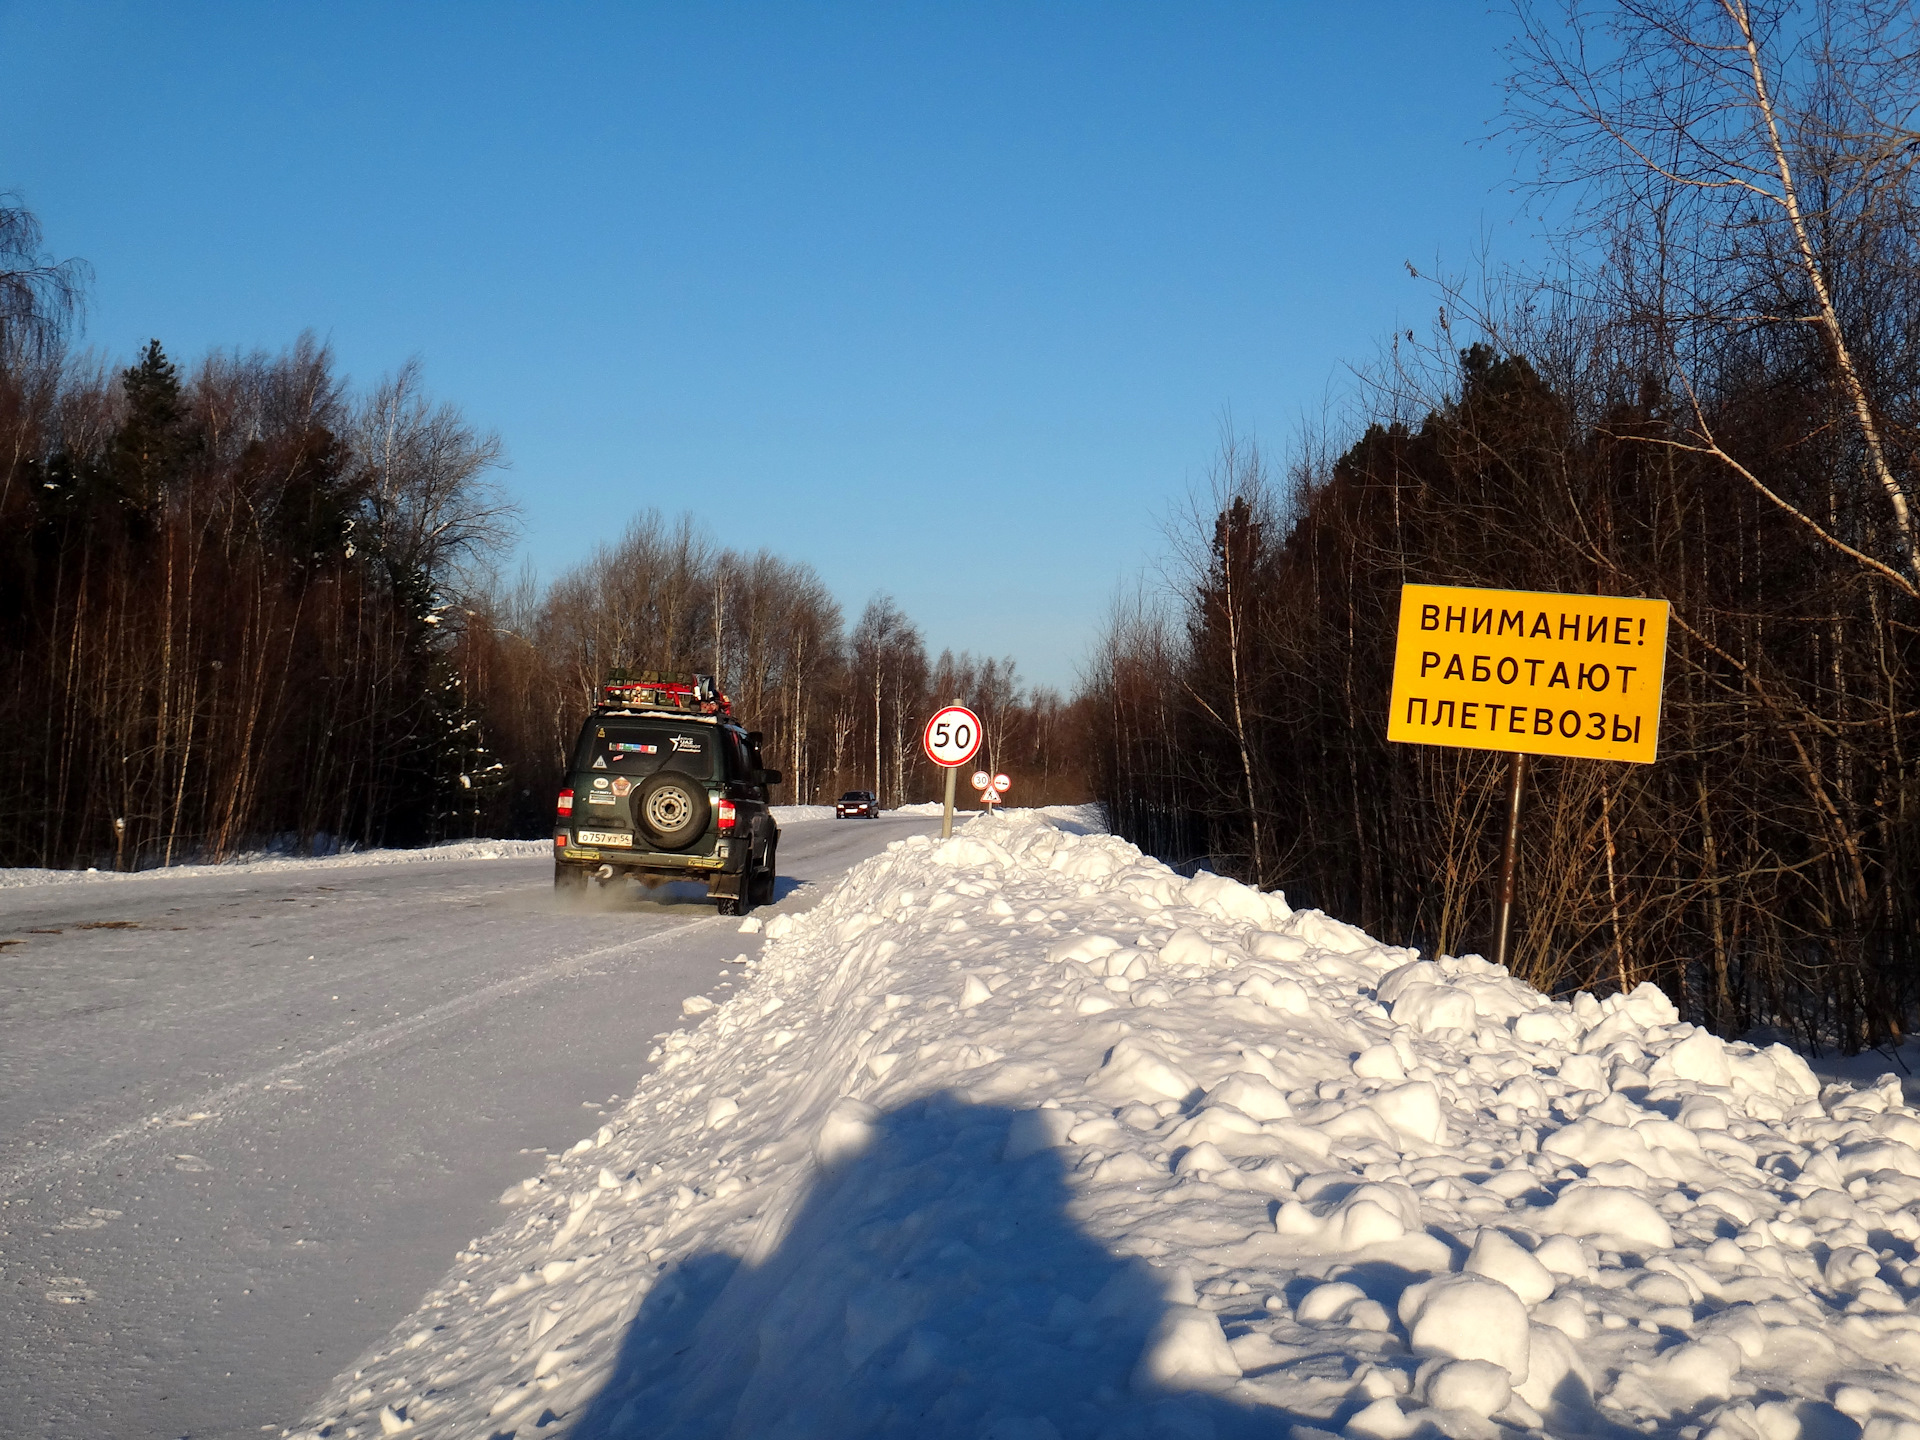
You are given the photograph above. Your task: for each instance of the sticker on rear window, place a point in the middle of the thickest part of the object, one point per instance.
(623, 747)
(599, 762)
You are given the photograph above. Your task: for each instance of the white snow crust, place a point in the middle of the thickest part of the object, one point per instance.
(1022, 1135)
(798, 814)
(269, 863)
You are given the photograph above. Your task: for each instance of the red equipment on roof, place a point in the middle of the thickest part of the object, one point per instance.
(657, 690)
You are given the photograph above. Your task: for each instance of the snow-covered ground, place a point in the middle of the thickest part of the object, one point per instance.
(278, 861)
(250, 1112)
(1022, 1135)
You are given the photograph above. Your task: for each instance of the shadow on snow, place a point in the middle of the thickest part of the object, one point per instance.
(924, 1288)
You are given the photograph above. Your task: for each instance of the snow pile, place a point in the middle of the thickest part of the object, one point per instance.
(799, 814)
(1021, 1135)
(263, 863)
(1077, 818)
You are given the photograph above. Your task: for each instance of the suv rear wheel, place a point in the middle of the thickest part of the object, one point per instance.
(760, 890)
(756, 886)
(743, 902)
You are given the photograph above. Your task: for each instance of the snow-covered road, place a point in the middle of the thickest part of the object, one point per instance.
(249, 1115)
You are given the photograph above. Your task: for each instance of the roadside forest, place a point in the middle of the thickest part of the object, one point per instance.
(244, 603)
(840, 708)
(1716, 403)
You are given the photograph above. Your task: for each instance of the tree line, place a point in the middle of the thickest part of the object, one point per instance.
(242, 602)
(838, 708)
(1715, 402)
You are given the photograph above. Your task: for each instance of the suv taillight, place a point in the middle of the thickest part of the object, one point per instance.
(564, 806)
(725, 807)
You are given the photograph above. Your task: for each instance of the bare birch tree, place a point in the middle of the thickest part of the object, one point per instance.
(1705, 138)
(40, 297)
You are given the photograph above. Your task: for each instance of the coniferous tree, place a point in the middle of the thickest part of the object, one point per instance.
(154, 440)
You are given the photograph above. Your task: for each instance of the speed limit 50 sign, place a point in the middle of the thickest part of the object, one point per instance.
(952, 737)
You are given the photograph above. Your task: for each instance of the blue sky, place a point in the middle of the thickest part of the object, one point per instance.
(947, 300)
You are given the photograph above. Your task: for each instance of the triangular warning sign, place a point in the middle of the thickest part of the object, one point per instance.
(599, 762)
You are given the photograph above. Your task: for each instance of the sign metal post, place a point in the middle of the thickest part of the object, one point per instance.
(951, 739)
(1516, 776)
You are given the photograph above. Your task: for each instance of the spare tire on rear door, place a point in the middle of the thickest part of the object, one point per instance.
(672, 808)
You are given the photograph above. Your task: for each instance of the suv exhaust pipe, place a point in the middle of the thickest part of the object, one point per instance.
(605, 872)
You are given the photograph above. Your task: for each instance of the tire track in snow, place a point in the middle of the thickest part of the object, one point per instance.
(207, 1105)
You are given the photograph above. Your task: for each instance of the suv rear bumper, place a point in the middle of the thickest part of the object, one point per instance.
(653, 862)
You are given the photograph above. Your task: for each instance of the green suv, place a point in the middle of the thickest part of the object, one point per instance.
(665, 785)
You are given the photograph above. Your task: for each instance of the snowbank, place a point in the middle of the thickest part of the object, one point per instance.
(1079, 819)
(267, 863)
(1022, 1135)
(799, 814)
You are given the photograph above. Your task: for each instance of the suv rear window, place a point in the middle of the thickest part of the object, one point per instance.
(738, 766)
(610, 747)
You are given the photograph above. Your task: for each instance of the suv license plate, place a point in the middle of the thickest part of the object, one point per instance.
(602, 837)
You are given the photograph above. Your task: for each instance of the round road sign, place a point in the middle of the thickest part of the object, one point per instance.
(952, 736)
(1002, 784)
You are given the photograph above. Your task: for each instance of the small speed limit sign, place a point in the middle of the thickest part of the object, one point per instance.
(953, 736)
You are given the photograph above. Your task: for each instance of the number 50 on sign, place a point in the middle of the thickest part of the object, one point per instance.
(1529, 672)
(952, 736)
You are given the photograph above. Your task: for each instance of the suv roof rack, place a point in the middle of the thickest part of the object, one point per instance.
(682, 691)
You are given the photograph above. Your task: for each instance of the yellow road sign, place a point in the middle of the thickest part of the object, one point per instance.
(1529, 671)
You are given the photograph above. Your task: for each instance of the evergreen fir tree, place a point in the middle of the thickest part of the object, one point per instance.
(152, 445)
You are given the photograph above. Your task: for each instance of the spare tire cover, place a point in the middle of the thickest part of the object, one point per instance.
(672, 808)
